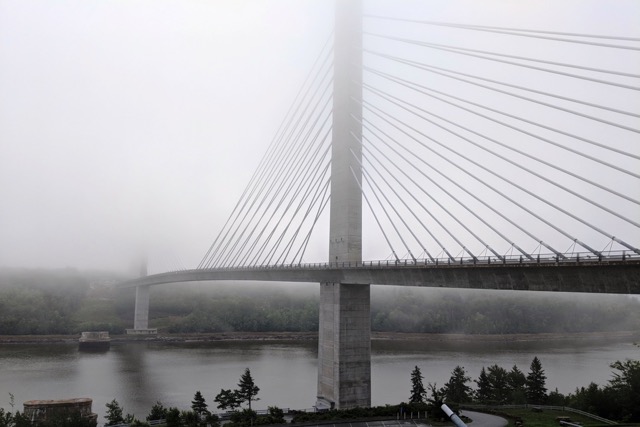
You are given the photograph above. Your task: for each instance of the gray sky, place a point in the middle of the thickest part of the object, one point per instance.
(126, 124)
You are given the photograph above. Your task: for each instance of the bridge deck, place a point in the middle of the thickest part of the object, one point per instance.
(618, 274)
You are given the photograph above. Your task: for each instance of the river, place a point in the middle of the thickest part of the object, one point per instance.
(138, 374)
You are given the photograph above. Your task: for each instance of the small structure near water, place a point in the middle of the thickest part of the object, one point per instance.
(41, 411)
(94, 341)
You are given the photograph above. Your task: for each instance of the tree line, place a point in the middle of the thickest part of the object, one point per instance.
(34, 302)
(618, 400)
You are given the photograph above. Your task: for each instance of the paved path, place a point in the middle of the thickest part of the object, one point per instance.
(484, 420)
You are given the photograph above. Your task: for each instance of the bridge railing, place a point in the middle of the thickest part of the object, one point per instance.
(487, 260)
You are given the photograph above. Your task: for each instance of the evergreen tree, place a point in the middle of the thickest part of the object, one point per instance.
(158, 412)
(517, 383)
(483, 392)
(247, 390)
(625, 385)
(115, 414)
(173, 417)
(227, 399)
(456, 389)
(199, 406)
(418, 391)
(536, 381)
(497, 377)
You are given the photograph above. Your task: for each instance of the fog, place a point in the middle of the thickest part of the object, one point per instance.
(131, 128)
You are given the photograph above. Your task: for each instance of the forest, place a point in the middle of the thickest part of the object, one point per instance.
(69, 301)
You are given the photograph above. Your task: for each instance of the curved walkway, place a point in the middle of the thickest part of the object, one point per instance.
(484, 420)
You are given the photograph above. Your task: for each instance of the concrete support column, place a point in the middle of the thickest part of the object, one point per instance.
(141, 311)
(141, 314)
(344, 347)
(344, 353)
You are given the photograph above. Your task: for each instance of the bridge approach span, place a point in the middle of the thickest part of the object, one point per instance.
(546, 275)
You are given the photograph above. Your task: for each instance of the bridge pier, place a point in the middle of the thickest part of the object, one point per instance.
(141, 310)
(344, 350)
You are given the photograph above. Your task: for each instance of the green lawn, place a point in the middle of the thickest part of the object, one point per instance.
(547, 418)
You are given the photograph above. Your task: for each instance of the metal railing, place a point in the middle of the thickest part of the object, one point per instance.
(512, 260)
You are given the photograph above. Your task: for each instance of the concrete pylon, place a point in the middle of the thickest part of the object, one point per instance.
(141, 310)
(344, 348)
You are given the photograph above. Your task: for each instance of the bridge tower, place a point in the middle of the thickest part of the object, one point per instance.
(344, 348)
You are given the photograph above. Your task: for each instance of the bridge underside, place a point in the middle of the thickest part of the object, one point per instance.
(613, 278)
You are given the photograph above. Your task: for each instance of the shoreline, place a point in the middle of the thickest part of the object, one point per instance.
(632, 336)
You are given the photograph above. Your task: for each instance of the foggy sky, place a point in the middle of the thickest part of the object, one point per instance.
(133, 125)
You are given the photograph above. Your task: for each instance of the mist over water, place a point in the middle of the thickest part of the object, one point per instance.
(139, 374)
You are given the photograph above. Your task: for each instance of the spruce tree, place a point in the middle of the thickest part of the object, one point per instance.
(484, 391)
(517, 382)
(247, 390)
(199, 406)
(456, 389)
(497, 376)
(418, 391)
(536, 381)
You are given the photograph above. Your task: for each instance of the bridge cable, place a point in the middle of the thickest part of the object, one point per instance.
(487, 246)
(462, 51)
(290, 161)
(466, 52)
(275, 174)
(370, 181)
(204, 262)
(482, 147)
(450, 180)
(321, 207)
(414, 86)
(276, 147)
(424, 208)
(318, 196)
(372, 108)
(464, 248)
(298, 165)
(430, 68)
(593, 227)
(313, 180)
(374, 213)
(367, 150)
(516, 31)
(567, 110)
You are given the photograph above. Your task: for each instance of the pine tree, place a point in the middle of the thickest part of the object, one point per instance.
(456, 389)
(497, 377)
(484, 391)
(114, 414)
(418, 391)
(199, 406)
(536, 381)
(247, 390)
(517, 383)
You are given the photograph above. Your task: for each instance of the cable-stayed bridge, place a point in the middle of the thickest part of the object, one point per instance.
(439, 154)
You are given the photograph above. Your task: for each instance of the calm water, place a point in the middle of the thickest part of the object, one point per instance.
(139, 374)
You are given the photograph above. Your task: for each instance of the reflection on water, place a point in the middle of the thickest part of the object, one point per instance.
(138, 374)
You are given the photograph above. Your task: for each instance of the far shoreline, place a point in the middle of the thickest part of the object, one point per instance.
(632, 336)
